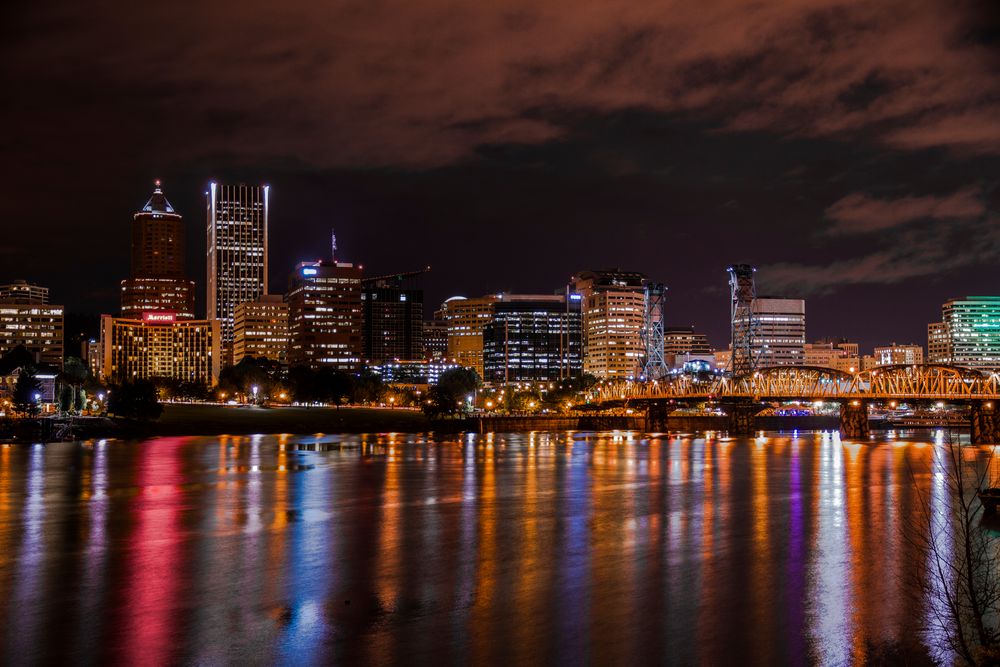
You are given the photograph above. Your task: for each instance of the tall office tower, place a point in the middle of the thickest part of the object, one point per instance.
(466, 319)
(971, 329)
(236, 252)
(532, 338)
(157, 281)
(613, 311)
(393, 319)
(938, 343)
(260, 329)
(780, 332)
(683, 345)
(895, 354)
(325, 315)
(21, 291)
(436, 339)
(35, 324)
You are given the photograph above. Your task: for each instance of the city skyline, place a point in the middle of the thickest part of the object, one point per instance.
(277, 275)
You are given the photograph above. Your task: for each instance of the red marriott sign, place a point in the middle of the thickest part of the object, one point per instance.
(158, 318)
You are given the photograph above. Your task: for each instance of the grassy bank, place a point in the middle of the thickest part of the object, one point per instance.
(218, 419)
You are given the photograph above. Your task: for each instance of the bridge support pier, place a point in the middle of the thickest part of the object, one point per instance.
(984, 423)
(657, 415)
(854, 419)
(739, 418)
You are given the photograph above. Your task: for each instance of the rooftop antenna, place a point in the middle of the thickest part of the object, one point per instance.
(333, 246)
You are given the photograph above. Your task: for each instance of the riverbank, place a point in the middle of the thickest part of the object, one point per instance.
(185, 419)
(212, 419)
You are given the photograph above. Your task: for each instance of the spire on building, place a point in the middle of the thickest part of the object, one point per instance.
(158, 202)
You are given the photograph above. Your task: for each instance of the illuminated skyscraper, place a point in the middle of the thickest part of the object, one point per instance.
(261, 329)
(33, 323)
(780, 332)
(157, 281)
(466, 320)
(532, 338)
(614, 308)
(21, 291)
(236, 252)
(324, 315)
(394, 320)
(969, 334)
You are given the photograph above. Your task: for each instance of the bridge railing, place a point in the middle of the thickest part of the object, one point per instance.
(911, 382)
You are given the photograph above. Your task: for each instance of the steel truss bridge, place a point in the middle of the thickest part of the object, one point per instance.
(931, 382)
(743, 396)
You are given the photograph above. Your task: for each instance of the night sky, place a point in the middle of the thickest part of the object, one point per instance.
(848, 148)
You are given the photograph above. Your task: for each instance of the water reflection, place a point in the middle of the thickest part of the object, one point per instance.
(569, 547)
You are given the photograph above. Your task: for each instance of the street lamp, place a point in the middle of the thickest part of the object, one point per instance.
(253, 389)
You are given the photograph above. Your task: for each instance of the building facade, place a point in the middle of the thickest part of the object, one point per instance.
(840, 355)
(260, 329)
(532, 338)
(415, 374)
(325, 315)
(780, 335)
(157, 280)
(21, 291)
(613, 304)
(39, 327)
(236, 252)
(683, 345)
(436, 340)
(938, 343)
(160, 346)
(969, 333)
(466, 319)
(895, 354)
(393, 322)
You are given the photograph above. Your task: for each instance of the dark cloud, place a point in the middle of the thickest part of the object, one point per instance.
(859, 213)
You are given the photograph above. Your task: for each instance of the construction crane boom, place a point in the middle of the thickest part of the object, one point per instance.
(394, 277)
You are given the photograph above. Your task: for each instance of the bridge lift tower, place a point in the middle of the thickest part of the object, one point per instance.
(743, 292)
(654, 364)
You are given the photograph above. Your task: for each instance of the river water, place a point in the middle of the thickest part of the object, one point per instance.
(607, 548)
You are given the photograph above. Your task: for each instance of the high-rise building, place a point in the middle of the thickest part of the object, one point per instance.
(532, 338)
(895, 354)
(21, 291)
(260, 329)
(466, 320)
(393, 320)
(613, 313)
(969, 333)
(159, 346)
(938, 343)
(157, 335)
(683, 345)
(157, 281)
(780, 331)
(236, 252)
(436, 339)
(325, 315)
(36, 326)
(90, 352)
